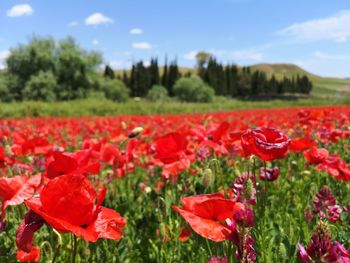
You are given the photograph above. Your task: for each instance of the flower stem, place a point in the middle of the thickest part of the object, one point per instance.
(58, 247)
(74, 254)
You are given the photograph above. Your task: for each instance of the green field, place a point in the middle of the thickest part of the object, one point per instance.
(103, 107)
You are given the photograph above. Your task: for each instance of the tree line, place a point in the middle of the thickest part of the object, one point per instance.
(226, 80)
(49, 70)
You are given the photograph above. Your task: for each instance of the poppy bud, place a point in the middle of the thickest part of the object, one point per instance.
(215, 166)
(269, 174)
(2, 224)
(123, 124)
(208, 177)
(135, 132)
(305, 172)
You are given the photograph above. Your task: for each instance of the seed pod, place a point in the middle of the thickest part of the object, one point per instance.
(135, 132)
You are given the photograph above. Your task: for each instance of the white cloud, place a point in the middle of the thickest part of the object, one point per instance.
(73, 24)
(3, 56)
(142, 45)
(323, 55)
(98, 19)
(95, 42)
(119, 64)
(341, 39)
(335, 27)
(136, 31)
(20, 10)
(191, 55)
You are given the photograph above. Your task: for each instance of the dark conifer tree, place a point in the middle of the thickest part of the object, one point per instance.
(173, 76)
(109, 73)
(154, 72)
(165, 75)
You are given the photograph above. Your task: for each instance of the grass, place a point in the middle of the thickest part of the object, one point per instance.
(102, 107)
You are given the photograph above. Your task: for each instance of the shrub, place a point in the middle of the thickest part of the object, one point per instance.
(4, 92)
(157, 93)
(193, 89)
(40, 87)
(115, 90)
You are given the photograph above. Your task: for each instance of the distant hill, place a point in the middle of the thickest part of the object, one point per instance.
(283, 70)
(323, 86)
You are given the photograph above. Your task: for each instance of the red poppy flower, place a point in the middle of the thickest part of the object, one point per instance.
(61, 164)
(205, 212)
(109, 153)
(173, 169)
(316, 155)
(2, 157)
(14, 190)
(67, 163)
(171, 147)
(70, 204)
(266, 143)
(336, 167)
(216, 134)
(32, 256)
(301, 144)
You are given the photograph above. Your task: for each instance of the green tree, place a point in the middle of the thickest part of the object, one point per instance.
(73, 68)
(165, 76)
(40, 87)
(193, 89)
(157, 93)
(202, 59)
(109, 72)
(154, 72)
(173, 76)
(27, 60)
(115, 90)
(4, 92)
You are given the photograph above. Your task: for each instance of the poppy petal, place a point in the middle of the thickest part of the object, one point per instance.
(205, 227)
(108, 224)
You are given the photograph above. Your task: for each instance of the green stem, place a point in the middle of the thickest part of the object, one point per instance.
(210, 252)
(74, 254)
(58, 247)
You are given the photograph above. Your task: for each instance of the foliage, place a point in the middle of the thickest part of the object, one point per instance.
(193, 89)
(3, 89)
(40, 87)
(157, 93)
(71, 66)
(115, 90)
(226, 80)
(109, 73)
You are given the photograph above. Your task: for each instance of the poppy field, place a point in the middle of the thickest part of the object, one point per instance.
(263, 185)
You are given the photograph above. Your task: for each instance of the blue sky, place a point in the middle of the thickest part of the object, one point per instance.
(313, 34)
